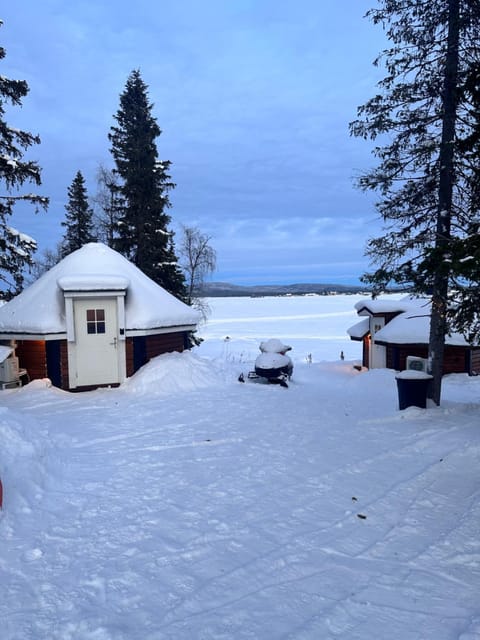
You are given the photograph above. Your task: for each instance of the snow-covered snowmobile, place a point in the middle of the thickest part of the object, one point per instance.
(272, 364)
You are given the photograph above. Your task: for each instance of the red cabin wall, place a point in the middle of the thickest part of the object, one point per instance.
(164, 343)
(32, 354)
(475, 362)
(455, 360)
(152, 346)
(32, 357)
(366, 351)
(129, 357)
(64, 364)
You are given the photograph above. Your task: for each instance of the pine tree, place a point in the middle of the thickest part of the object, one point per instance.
(143, 235)
(421, 114)
(465, 312)
(16, 249)
(78, 220)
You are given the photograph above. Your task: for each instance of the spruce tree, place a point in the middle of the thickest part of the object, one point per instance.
(143, 235)
(464, 313)
(78, 220)
(420, 115)
(16, 249)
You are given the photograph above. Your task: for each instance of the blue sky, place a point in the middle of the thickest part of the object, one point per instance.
(253, 98)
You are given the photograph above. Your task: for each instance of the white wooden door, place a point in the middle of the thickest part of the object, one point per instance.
(378, 352)
(96, 341)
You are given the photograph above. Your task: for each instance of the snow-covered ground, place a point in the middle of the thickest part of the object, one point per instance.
(185, 505)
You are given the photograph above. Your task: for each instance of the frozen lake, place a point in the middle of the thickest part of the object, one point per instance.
(311, 325)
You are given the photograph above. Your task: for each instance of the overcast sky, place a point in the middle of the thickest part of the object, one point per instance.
(253, 98)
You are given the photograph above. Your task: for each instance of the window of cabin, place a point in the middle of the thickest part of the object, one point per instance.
(95, 320)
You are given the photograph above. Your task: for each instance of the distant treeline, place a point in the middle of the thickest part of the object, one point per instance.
(224, 290)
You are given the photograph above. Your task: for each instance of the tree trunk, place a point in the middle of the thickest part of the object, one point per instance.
(438, 324)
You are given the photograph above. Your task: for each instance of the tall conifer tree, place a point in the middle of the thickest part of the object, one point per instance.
(465, 312)
(143, 235)
(16, 249)
(78, 219)
(421, 114)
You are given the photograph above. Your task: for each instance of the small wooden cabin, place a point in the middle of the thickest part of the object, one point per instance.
(392, 330)
(93, 320)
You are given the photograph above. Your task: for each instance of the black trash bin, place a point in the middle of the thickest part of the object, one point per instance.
(412, 389)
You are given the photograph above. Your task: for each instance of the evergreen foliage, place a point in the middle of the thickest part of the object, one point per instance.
(142, 224)
(422, 115)
(16, 249)
(465, 253)
(78, 219)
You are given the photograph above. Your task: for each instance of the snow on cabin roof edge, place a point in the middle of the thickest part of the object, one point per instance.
(374, 306)
(411, 328)
(359, 330)
(93, 282)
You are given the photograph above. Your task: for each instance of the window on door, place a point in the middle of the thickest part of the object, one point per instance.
(95, 320)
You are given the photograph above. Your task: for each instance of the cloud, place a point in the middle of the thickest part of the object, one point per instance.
(289, 250)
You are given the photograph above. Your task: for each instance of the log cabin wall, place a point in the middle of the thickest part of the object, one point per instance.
(455, 360)
(141, 349)
(397, 354)
(32, 357)
(44, 359)
(366, 351)
(164, 343)
(475, 362)
(64, 364)
(129, 348)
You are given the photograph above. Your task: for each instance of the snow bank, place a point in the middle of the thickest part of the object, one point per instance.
(173, 373)
(21, 467)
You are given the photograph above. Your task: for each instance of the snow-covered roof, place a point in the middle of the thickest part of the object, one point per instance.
(40, 309)
(370, 306)
(410, 326)
(359, 330)
(5, 352)
(413, 328)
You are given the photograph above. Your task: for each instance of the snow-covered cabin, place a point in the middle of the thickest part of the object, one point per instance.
(92, 320)
(391, 330)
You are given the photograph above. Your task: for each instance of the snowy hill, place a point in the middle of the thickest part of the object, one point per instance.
(185, 505)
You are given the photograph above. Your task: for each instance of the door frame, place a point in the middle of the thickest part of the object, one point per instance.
(378, 352)
(96, 296)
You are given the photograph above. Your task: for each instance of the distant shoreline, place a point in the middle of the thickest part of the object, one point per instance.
(225, 289)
